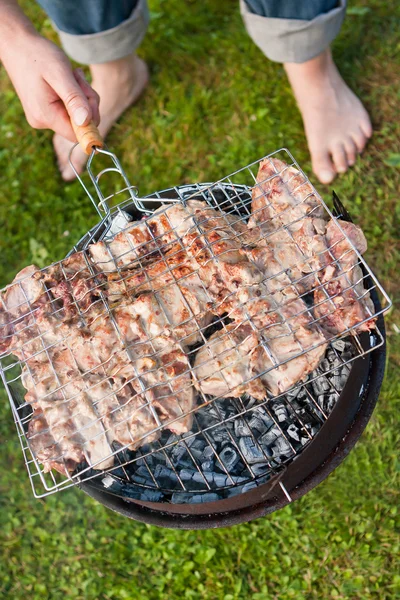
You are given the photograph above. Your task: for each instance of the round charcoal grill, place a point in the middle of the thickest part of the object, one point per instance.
(242, 459)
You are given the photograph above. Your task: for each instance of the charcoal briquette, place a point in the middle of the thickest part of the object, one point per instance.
(151, 495)
(250, 450)
(202, 498)
(229, 457)
(207, 465)
(270, 436)
(280, 411)
(260, 468)
(293, 432)
(281, 447)
(241, 428)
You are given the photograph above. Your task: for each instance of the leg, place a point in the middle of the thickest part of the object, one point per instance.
(298, 34)
(103, 35)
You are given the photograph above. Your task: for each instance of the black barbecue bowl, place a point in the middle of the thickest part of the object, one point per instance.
(324, 453)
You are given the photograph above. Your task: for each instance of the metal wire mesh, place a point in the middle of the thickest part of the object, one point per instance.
(136, 391)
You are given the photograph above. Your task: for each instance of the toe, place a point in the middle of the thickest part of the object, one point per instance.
(360, 139)
(323, 167)
(62, 148)
(351, 151)
(67, 173)
(340, 159)
(366, 126)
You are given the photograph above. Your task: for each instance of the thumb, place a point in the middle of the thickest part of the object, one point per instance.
(71, 94)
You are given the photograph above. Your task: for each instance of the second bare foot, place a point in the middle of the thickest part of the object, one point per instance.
(337, 125)
(119, 85)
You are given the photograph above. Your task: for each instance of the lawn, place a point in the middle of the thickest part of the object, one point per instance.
(214, 104)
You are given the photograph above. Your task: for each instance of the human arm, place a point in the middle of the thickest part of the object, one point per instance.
(51, 93)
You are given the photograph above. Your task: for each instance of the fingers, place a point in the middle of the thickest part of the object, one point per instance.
(60, 122)
(90, 93)
(64, 82)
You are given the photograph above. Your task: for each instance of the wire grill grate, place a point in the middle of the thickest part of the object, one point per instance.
(99, 287)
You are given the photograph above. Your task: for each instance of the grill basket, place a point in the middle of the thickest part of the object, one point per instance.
(235, 444)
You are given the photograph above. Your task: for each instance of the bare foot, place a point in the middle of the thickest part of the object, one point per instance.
(119, 84)
(337, 125)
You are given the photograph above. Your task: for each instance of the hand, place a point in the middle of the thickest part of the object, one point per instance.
(51, 93)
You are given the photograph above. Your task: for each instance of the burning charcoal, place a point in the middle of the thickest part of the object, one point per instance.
(293, 432)
(143, 471)
(250, 450)
(171, 439)
(262, 413)
(201, 498)
(220, 434)
(181, 498)
(218, 479)
(217, 413)
(263, 479)
(250, 402)
(281, 447)
(241, 428)
(302, 393)
(207, 465)
(197, 455)
(320, 386)
(199, 444)
(270, 436)
(207, 453)
(293, 393)
(189, 438)
(229, 457)
(159, 457)
(346, 356)
(258, 424)
(260, 468)
(177, 453)
(306, 418)
(339, 345)
(280, 411)
(249, 486)
(164, 476)
(142, 461)
(235, 491)
(304, 440)
(138, 479)
(151, 495)
(186, 474)
(295, 405)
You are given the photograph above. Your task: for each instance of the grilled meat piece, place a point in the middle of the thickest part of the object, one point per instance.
(341, 301)
(223, 366)
(24, 291)
(283, 201)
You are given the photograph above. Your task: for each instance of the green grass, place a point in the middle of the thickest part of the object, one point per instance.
(214, 105)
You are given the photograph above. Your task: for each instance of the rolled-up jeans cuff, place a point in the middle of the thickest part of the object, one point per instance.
(293, 40)
(111, 44)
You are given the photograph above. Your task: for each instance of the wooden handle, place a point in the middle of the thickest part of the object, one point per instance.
(88, 136)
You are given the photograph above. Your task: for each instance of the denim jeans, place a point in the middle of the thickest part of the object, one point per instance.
(95, 31)
(291, 9)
